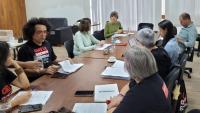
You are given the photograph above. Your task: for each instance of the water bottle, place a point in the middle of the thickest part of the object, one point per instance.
(113, 40)
(10, 36)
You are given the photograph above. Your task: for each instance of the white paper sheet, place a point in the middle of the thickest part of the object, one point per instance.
(115, 73)
(120, 35)
(90, 108)
(119, 64)
(37, 97)
(69, 68)
(105, 92)
(103, 47)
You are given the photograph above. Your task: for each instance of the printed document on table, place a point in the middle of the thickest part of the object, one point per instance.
(37, 97)
(68, 67)
(115, 73)
(120, 35)
(118, 64)
(90, 108)
(105, 92)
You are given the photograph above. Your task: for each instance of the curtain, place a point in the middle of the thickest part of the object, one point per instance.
(175, 7)
(131, 12)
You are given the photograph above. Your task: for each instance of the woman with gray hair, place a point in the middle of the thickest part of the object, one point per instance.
(146, 38)
(147, 92)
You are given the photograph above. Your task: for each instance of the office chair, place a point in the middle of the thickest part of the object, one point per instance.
(69, 45)
(171, 80)
(145, 25)
(190, 53)
(99, 35)
(198, 48)
(176, 88)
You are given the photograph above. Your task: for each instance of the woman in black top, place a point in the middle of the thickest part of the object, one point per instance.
(7, 78)
(147, 92)
(145, 37)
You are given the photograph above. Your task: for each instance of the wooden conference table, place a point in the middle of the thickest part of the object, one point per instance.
(84, 79)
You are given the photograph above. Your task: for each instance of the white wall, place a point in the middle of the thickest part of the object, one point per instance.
(70, 9)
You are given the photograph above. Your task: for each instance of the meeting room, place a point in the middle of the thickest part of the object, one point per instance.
(99, 56)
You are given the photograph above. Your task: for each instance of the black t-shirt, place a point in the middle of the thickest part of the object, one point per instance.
(30, 51)
(149, 96)
(163, 61)
(6, 78)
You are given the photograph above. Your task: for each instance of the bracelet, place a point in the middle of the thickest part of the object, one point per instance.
(19, 71)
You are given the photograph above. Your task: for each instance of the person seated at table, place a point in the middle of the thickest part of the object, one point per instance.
(188, 34)
(38, 48)
(146, 37)
(7, 78)
(147, 92)
(113, 26)
(83, 40)
(169, 42)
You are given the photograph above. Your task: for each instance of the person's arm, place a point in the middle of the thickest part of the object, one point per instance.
(29, 64)
(125, 89)
(115, 101)
(38, 72)
(93, 39)
(107, 34)
(111, 110)
(191, 39)
(131, 103)
(21, 81)
(6, 107)
(20, 99)
(79, 43)
(120, 30)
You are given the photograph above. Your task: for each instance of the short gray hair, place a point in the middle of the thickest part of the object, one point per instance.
(140, 63)
(146, 37)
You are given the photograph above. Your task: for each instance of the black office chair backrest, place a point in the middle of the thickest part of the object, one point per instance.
(190, 52)
(99, 35)
(57, 22)
(145, 25)
(182, 59)
(172, 78)
(69, 45)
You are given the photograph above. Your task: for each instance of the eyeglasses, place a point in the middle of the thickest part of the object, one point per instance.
(39, 32)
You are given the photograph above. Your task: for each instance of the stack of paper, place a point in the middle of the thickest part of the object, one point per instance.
(105, 92)
(116, 71)
(37, 97)
(119, 64)
(90, 108)
(103, 47)
(67, 68)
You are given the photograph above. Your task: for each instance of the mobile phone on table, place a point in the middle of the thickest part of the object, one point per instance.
(30, 108)
(84, 93)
